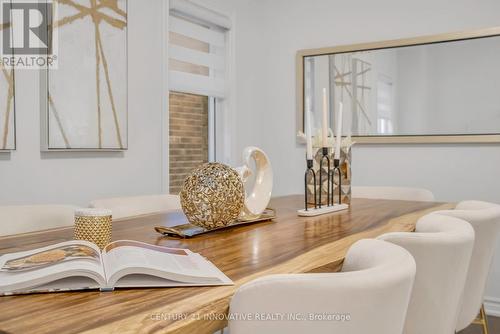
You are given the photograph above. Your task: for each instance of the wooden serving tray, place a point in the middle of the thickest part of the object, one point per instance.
(190, 230)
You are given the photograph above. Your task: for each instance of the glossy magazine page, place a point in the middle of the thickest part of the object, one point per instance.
(125, 258)
(34, 268)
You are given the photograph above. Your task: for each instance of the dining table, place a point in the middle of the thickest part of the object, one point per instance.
(287, 244)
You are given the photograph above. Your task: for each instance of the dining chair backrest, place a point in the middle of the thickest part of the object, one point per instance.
(485, 219)
(394, 193)
(442, 248)
(124, 207)
(370, 295)
(16, 219)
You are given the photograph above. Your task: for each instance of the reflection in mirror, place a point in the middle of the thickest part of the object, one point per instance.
(448, 88)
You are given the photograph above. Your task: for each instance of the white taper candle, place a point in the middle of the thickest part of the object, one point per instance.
(324, 131)
(308, 129)
(338, 140)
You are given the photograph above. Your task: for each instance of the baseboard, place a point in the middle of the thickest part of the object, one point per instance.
(492, 306)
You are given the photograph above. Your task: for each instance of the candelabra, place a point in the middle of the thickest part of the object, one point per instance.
(318, 208)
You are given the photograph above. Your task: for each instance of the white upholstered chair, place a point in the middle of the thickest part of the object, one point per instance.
(395, 193)
(442, 248)
(123, 207)
(371, 292)
(485, 219)
(28, 218)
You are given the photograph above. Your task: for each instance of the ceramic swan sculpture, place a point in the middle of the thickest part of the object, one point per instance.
(257, 198)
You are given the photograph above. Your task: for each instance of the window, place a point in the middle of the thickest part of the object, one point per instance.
(188, 136)
(197, 83)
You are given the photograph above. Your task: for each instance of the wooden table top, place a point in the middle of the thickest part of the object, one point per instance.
(288, 244)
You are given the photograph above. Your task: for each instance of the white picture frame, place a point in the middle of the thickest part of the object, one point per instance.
(84, 99)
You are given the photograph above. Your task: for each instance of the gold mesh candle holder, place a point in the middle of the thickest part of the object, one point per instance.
(93, 225)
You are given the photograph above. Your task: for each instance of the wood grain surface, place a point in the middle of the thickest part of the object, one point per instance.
(288, 244)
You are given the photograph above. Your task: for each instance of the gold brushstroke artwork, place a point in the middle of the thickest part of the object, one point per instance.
(89, 114)
(8, 76)
(7, 107)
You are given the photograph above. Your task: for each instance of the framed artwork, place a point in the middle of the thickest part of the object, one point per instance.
(85, 102)
(7, 102)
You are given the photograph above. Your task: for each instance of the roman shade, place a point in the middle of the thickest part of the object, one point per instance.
(197, 49)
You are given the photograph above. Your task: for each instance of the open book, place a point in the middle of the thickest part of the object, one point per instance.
(78, 265)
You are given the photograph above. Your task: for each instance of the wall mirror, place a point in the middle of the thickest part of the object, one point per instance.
(434, 89)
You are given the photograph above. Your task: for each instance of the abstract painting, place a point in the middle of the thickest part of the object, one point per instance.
(7, 104)
(87, 92)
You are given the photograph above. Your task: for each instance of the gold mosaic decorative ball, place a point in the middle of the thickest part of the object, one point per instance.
(212, 195)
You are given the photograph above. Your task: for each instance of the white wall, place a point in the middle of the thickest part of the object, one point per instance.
(28, 176)
(292, 25)
(269, 33)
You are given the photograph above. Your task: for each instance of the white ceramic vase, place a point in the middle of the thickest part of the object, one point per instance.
(257, 198)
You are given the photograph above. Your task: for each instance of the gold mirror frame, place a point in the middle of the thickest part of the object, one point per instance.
(417, 139)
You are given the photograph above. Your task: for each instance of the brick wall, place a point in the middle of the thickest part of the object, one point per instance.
(188, 136)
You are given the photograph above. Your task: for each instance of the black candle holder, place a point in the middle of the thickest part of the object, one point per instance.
(330, 206)
(336, 168)
(326, 158)
(310, 170)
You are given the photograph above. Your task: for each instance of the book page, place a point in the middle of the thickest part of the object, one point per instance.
(132, 257)
(32, 268)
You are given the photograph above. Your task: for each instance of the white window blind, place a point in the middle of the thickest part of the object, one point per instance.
(197, 49)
